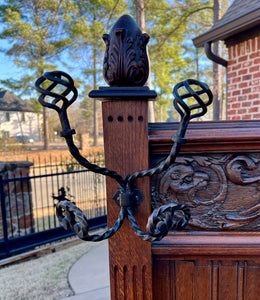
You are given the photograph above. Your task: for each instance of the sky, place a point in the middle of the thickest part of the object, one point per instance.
(7, 67)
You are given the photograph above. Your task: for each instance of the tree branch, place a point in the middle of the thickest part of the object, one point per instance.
(183, 18)
(112, 13)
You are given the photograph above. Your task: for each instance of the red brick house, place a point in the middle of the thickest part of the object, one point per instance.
(239, 28)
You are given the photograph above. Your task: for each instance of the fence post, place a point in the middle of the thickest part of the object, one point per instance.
(84, 141)
(3, 218)
(125, 122)
(15, 198)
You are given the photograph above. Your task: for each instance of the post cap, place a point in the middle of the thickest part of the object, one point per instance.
(126, 61)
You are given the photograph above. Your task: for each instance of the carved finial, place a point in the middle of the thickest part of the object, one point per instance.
(126, 61)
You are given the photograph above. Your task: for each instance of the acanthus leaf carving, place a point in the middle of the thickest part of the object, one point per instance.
(126, 61)
(222, 191)
(237, 170)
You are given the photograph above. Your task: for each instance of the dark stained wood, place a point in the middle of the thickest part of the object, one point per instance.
(184, 279)
(251, 279)
(181, 244)
(126, 151)
(214, 137)
(210, 264)
(162, 273)
(126, 62)
(228, 288)
(202, 288)
(222, 190)
(206, 276)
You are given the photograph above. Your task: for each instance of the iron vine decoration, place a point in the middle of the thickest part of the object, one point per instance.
(128, 197)
(126, 64)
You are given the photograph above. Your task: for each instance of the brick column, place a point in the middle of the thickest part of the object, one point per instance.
(244, 80)
(16, 199)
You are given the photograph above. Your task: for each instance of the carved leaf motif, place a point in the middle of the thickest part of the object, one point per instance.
(222, 191)
(238, 167)
(114, 59)
(204, 161)
(106, 39)
(126, 61)
(137, 64)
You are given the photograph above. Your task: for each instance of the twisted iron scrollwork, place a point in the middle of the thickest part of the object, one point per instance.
(59, 86)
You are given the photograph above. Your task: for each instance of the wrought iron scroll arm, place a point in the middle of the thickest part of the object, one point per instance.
(70, 216)
(128, 197)
(186, 114)
(160, 222)
(55, 78)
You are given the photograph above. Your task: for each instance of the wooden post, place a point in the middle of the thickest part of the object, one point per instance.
(125, 122)
(126, 151)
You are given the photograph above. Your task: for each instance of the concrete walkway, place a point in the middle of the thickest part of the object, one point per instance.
(89, 276)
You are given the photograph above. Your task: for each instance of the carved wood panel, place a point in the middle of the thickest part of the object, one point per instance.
(221, 190)
(206, 279)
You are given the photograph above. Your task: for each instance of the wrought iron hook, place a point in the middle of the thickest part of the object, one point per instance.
(128, 197)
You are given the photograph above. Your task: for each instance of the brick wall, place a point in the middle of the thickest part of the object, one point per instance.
(17, 202)
(244, 80)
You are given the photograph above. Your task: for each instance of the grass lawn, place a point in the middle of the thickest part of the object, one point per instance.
(44, 277)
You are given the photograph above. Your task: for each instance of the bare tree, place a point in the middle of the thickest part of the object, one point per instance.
(140, 20)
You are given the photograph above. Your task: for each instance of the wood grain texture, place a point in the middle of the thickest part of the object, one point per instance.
(181, 244)
(221, 190)
(252, 280)
(209, 137)
(126, 151)
(219, 278)
(162, 283)
(215, 263)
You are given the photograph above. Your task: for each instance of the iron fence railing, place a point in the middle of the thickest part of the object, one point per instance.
(27, 216)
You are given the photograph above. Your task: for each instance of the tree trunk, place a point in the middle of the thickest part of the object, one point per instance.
(39, 127)
(140, 15)
(95, 111)
(197, 65)
(20, 124)
(216, 71)
(45, 129)
(140, 20)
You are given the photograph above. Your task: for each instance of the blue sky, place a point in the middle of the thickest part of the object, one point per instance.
(7, 67)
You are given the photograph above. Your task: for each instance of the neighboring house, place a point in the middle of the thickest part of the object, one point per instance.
(239, 28)
(18, 118)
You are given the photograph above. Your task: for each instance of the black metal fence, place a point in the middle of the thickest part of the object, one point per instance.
(28, 203)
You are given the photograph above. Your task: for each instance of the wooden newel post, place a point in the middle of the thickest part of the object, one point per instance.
(126, 151)
(125, 121)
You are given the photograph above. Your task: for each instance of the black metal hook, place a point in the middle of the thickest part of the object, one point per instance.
(128, 197)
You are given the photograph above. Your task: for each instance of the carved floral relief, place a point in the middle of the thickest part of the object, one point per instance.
(126, 61)
(222, 191)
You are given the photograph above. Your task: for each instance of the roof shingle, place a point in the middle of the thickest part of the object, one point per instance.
(11, 102)
(240, 16)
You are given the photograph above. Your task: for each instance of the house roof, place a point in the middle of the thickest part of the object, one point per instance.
(11, 102)
(240, 16)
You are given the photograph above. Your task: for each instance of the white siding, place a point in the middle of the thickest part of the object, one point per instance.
(31, 126)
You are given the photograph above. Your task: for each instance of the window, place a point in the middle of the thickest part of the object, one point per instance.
(5, 134)
(22, 117)
(7, 116)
